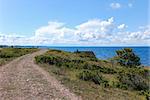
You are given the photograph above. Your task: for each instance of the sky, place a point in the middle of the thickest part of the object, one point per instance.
(75, 22)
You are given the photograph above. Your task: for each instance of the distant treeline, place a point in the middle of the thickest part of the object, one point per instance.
(16, 46)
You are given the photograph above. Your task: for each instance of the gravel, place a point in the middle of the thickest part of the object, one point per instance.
(22, 79)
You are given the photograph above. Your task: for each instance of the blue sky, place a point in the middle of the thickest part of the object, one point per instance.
(74, 22)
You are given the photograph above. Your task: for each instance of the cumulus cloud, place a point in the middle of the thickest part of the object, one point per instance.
(122, 26)
(95, 29)
(55, 30)
(115, 5)
(92, 32)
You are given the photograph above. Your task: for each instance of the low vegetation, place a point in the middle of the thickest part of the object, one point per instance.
(99, 79)
(8, 54)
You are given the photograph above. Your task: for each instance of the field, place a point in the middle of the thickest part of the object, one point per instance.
(95, 79)
(8, 54)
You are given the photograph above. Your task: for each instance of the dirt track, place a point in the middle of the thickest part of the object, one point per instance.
(21, 79)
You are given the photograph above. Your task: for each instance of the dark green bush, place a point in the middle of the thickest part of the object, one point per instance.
(120, 85)
(93, 76)
(59, 61)
(134, 81)
(107, 70)
(98, 68)
(85, 65)
(127, 57)
(75, 63)
(49, 59)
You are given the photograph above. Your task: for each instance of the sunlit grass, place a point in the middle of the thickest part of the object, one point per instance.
(68, 74)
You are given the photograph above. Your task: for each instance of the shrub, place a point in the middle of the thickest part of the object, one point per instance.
(86, 66)
(127, 57)
(107, 70)
(93, 76)
(48, 59)
(98, 68)
(120, 85)
(133, 81)
(77, 61)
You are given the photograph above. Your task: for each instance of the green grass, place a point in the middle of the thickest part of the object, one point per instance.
(8, 54)
(92, 79)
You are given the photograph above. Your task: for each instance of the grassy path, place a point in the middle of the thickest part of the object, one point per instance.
(21, 79)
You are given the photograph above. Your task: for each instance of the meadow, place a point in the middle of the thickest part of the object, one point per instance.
(96, 79)
(9, 53)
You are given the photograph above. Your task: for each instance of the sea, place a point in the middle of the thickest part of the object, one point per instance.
(109, 52)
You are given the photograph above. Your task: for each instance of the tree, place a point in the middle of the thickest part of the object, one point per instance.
(126, 57)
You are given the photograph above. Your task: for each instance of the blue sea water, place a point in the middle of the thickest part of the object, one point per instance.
(108, 52)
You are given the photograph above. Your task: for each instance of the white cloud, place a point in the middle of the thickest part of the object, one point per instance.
(115, 5)
(92, 32)
(55, 30)
(52, 29)
(122, 26)
(95, 29)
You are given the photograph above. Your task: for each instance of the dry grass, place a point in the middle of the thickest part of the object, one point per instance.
(89, 90)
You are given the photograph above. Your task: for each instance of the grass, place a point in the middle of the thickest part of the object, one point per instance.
(8, 54)
(71, 65)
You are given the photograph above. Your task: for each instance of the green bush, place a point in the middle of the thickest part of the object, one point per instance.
(120, 85)
(128, 58)
(71, 63)
(48, 59)
(93, 76)
(107, 70)
(85, 65)
(134, 81)
(77, 61)
(59, 61)
(98, 68)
